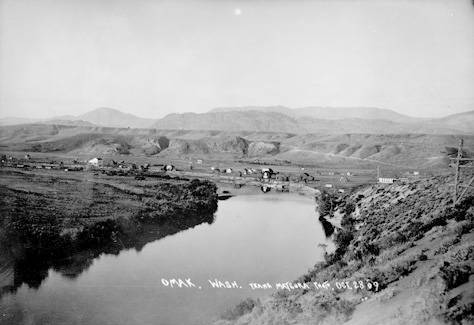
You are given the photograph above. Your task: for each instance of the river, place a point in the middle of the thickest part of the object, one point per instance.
(261, 238)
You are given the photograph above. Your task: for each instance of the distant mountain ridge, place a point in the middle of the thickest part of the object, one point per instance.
(317, 120)
(327, 113)
(328, 120)
(102, 116)
(114, 118)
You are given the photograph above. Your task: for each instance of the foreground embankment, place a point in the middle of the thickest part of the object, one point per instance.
(65, 220)
(403, 255)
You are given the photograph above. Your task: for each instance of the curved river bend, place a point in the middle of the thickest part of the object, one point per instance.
(255, 238)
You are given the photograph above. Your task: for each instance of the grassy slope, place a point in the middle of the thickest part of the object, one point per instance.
(408, 239)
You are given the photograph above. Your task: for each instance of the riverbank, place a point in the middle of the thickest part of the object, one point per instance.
(65, 220)
(403, 256)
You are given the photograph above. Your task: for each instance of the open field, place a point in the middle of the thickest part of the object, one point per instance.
(64, 220)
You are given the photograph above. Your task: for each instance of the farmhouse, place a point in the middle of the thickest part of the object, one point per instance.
(267, 173)
(96, 162)
(386, 180)
(168, 168)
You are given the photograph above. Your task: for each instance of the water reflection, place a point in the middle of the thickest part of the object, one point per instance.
(19, 266)
(256, 238)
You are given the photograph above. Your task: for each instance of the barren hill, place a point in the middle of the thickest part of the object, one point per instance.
(406, 150)
(316, 120)
(326, 113)
(229, 121)
(328, 120)
(114, 118)
(103, 116)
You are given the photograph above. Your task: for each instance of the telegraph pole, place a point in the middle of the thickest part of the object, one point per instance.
(457, 176)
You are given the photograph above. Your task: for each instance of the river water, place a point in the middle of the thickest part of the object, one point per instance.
(254, 238)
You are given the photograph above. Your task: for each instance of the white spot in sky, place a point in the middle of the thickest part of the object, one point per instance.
(237, 11)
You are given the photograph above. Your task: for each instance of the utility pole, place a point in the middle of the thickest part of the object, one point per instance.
(457, 176)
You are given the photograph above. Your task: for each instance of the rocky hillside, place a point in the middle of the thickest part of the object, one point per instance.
(403, 256)
(397, 150)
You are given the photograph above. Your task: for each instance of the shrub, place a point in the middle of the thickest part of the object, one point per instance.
(37, 233)
(463, 227)
(458, 314)
(100, 233)
(244, 307)
(454, 274)
(445, 245)
(327, 203)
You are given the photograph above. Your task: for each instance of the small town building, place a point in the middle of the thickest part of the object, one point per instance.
(328, 185)
(228, 171)
(267, 173)
(96, 162)
(386, 180)
(168, 168)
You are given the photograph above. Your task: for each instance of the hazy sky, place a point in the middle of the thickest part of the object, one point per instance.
(152, 58)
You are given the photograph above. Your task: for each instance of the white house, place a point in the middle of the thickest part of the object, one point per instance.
(168, 168)
(267, 173)
(386, 180)
(96, 162)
